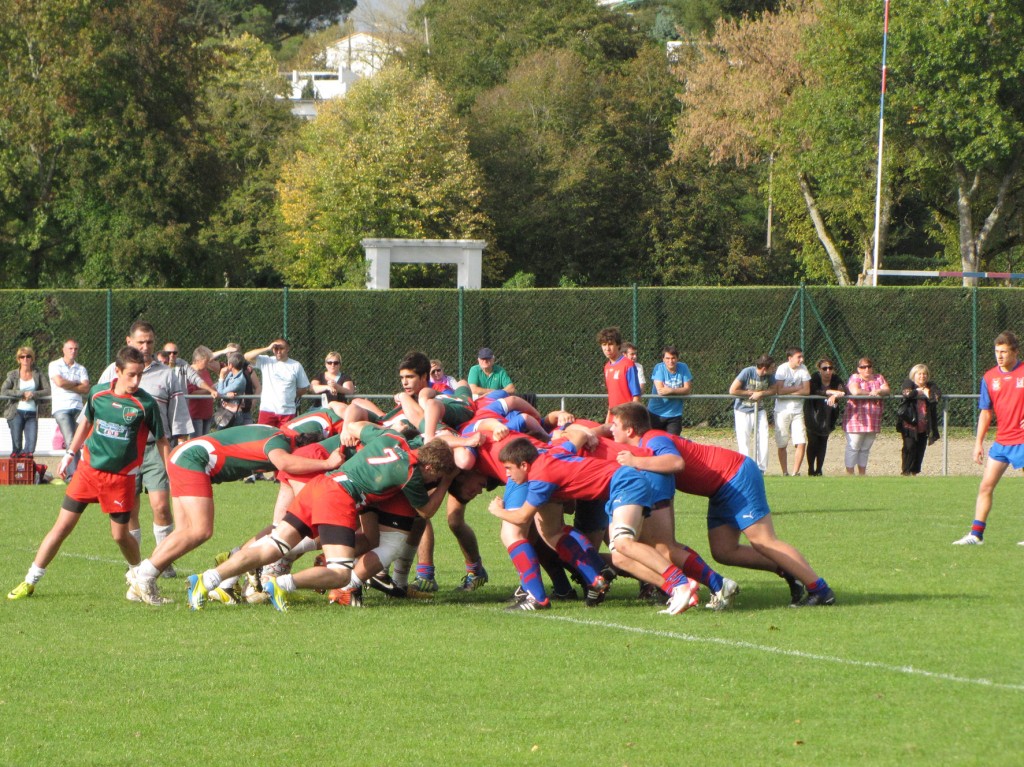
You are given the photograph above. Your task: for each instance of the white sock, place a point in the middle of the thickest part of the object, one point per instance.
(229, 583)
(136, 534)
(354, 581)
(304, 546)
(35, 574)
(286, 583)
(161, 531)
(146, 571)
(211, 579)
(401, 566)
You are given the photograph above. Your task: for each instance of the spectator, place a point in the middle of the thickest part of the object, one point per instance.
(820, 415)
(201, 410)
(253, 386)
(162, 358)
(863, 417)
(791, 378)
(186, 372)
(230, 386)
(332, 383)
(487, 376)
(23, 388)
(629, 349)
(918, 420)
(750, 387)
(69, 382)
(439, 380)
(284, 382)
(671, 378)
(620, 378)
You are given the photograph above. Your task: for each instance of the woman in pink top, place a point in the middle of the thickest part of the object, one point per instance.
(863, 417)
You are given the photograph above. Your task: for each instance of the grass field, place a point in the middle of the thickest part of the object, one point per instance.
(921, 662)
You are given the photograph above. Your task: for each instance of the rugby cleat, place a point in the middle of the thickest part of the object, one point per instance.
(823, 598)
(969, 540)
(22, 591)
(722, 599)
(350, 596)
(683, 597)
(276, 595)
(383, 583)
(427, 585)
(146, 591)
(473, 580)
(529, 603)
(596, 592)
(223, 596)
(195, 592)
(796, 589)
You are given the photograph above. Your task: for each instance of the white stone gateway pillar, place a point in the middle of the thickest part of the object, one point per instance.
(467, 255)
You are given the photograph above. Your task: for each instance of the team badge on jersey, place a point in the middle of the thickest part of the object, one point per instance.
(130, 414)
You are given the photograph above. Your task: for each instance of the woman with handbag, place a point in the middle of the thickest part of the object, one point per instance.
(917, 419)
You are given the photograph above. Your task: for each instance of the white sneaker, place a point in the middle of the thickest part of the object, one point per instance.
(145, 590)
(722, 598)
(683, 598)
(969, 540)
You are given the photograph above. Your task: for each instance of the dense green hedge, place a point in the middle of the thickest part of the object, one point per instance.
(546, 338)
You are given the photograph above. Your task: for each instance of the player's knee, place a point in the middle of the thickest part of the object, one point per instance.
(340, 569)
(621, 535)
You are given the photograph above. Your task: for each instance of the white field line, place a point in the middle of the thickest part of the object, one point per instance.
(738, 644)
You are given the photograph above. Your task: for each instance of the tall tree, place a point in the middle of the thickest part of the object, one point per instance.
(389, 160)
(471, 45)
(962, 68)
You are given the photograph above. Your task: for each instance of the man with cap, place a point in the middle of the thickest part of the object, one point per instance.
(487, 376)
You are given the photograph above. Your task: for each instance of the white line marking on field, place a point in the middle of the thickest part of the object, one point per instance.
(735, 643)
(88, 557)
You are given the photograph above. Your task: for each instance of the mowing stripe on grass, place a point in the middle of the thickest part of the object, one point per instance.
(734, 643)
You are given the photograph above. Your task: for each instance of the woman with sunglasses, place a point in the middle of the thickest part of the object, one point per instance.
(863, 417)
(820, 415)
(22, 389)
(332, 383)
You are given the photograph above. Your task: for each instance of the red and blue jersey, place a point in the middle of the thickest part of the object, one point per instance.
(1003, 394)
(487, 461)
(660, 443)
(707, 468)
(621, 381)
(561, 474)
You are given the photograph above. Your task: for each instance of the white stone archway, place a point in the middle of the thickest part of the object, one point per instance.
(467, 255)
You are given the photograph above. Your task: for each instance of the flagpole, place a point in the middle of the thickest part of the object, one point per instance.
(881, 136)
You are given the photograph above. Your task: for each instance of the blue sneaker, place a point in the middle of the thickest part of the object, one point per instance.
(195, 592)
(276, 595)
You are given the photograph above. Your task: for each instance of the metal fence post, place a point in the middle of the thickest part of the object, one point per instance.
(636, 308)
(803, 319)
(974, 336)
(110, 320)
(945, 437)
(284, 313)
(462, 328)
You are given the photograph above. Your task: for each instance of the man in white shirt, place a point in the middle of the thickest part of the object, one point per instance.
(284, 381)
(791, 378)
(69, 381)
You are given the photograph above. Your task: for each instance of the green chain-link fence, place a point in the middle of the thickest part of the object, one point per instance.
(546, 338)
